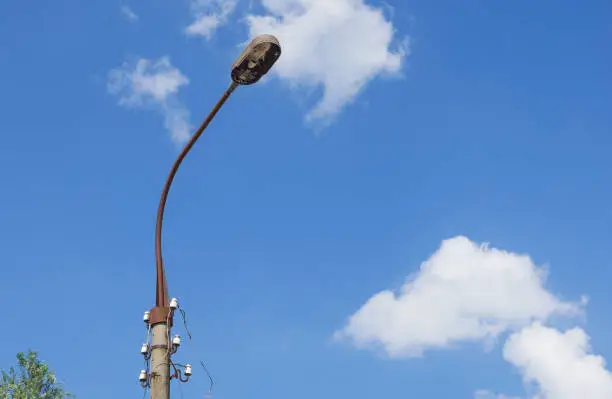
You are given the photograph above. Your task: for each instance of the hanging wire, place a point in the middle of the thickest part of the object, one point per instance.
(147, 366)
(185, 322)
(148, 336)
(170, 314)
(192, 345)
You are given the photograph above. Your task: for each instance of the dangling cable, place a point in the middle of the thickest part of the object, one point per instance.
(148, 336)
(192, 345)
(185, 322)
(170, 313)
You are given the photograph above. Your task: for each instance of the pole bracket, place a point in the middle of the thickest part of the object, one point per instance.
(161, 315)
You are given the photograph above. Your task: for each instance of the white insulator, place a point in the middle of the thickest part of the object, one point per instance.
(144, 349)
(147, 317)
(187, 370)
(173, 303)
(176, 341)
(143, 376)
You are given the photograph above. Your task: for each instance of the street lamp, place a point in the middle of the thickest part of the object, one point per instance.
(254, 62)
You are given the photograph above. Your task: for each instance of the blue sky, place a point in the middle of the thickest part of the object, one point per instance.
(386, 134)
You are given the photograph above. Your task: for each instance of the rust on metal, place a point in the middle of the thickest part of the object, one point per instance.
(161, 315)
(161, 298)
(254, 62)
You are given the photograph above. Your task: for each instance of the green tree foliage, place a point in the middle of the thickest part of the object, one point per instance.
(32, 380)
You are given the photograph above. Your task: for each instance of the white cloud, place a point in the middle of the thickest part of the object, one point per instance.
(209, 15)
(153, 84)
(338, 46)
(559, 364)
(463, 292)
(129, 14)
(482, 394)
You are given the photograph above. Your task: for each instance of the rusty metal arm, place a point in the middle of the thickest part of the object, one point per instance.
(161, 311)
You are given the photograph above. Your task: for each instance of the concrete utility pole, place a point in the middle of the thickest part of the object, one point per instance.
(160, 365)
(254, 62)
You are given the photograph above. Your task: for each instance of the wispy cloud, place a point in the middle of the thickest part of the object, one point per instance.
(153, 84)
(130, 15)
(463, 292)
(483, 394)
(209, 15)
(339, 46)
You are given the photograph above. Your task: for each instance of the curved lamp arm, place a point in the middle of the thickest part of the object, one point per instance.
(161, 297)
(252, 64)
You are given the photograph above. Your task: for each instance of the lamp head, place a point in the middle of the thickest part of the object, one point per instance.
(256, 60)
